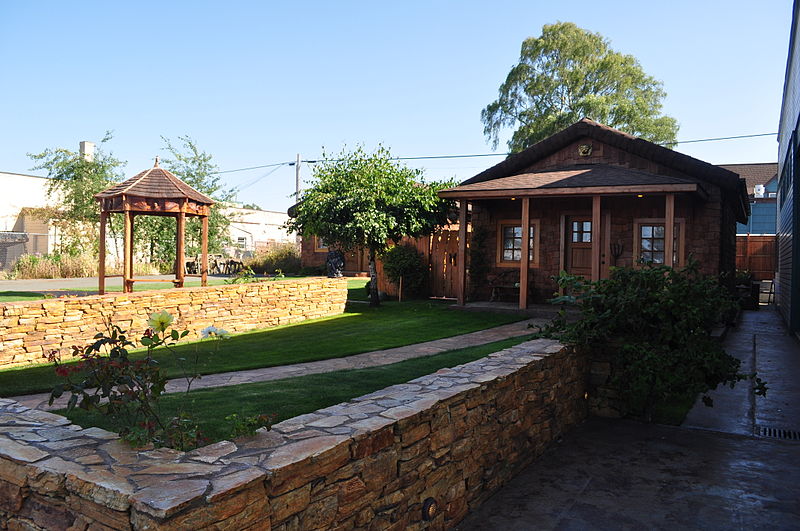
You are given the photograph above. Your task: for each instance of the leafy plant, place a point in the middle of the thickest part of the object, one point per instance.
(283, 256)
(653, 323)
(243, 276)
(406, 263)
(248, 425)
(128, 390)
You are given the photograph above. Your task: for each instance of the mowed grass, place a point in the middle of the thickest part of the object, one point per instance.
(296, 396)
(360, 329)
(13, 296)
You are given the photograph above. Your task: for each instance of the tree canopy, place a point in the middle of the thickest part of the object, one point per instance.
(569, 73)
(73, 182)
(366, 200)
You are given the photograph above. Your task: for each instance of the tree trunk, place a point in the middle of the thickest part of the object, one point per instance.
(374, 300)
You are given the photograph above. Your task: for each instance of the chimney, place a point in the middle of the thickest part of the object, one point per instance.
(87, 150)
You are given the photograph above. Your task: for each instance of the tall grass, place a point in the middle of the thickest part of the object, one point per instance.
(284, 256)
(67, 266)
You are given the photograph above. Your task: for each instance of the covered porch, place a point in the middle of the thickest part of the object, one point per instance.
(573, 223)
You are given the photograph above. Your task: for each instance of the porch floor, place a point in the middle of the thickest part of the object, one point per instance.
(544, 311)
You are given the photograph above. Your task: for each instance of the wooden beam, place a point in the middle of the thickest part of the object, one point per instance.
(461, 280)
(596, 238)
(204, 253)
(577, 191)
(180, 258)
(669, 229)
(101, 266)
(525, 258)
(127, 252)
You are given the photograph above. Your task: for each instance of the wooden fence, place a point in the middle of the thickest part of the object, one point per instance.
(757, 254)
(440, 251)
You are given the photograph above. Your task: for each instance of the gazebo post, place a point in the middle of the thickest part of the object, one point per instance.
(101, 266)
(127, 258)
(204, 252)
(180, 258)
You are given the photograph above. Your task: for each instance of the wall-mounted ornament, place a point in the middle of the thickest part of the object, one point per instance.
(584, 150)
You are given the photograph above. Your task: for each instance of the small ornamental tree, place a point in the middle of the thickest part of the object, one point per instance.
(73, 182)
(367, 200)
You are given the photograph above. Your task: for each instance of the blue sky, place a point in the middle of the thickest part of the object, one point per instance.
(257, 82)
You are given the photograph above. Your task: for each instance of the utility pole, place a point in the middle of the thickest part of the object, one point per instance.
(297, 176)
(299, 238)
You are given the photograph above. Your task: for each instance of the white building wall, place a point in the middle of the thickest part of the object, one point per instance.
(20, 191)
(251, 230)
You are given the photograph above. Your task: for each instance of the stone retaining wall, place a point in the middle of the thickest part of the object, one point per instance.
(32, 328)
(454, 436)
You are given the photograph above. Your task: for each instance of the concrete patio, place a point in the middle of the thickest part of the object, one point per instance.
(717, 471)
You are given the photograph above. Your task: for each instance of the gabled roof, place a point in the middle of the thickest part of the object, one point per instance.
(517, 162)
(155, 183)
(753, 174)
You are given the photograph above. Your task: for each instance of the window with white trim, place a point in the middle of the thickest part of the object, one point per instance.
(509, 239)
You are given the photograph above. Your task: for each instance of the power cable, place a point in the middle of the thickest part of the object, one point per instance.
(474, 155)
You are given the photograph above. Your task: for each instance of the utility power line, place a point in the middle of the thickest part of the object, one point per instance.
(474, 155)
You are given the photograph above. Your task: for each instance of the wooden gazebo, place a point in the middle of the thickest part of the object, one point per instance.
(153, 192)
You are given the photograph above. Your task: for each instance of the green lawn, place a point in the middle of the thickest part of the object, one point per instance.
(360, 329)
(296, 396)
(12, 296)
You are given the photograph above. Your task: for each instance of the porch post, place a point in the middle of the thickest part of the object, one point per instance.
(525, 258)
(461, 281)
(595, 238)
(669, 230)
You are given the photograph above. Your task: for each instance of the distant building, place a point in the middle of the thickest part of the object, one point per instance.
(21, 232)
(254, 230)
(787, 291)
(762, 190)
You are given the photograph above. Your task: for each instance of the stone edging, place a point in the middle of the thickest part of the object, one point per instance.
(453, 436)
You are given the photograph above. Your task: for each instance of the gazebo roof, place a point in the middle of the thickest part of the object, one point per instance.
(155, 183)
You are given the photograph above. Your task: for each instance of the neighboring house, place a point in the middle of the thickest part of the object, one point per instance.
(755, 240)
(591, 197)
(787, 294)
(762, 190)
(254, 230)
(20, 231)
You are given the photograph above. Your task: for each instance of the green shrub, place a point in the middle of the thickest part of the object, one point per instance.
(68, 266)
(312, 271)
(284, 256)
(653, 323)
(404, 261)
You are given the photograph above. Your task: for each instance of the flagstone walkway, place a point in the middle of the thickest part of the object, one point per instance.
(357, 361)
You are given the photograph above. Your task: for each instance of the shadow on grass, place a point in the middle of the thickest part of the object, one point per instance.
(360, 329)
(295, 396)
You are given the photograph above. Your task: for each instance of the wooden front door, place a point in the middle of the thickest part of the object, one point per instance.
(579, 246)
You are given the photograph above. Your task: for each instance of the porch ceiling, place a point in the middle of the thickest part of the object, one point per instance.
(597, 179)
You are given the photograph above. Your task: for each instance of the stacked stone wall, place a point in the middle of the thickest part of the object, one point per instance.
(453, 437)
(28, 330)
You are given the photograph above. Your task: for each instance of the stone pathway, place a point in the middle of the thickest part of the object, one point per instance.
(357, 361)
(719, 470)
